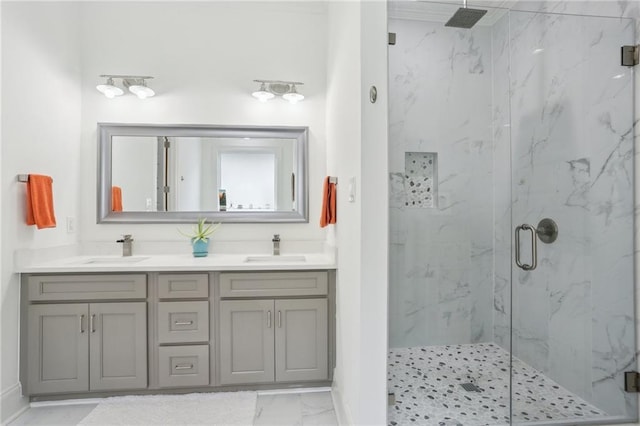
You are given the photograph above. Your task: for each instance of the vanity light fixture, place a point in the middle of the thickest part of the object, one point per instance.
(269, 89)
(136, 84)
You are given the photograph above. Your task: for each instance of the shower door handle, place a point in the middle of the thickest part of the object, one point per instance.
(534, 247)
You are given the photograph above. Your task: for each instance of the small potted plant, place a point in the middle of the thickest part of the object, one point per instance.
(200, 237)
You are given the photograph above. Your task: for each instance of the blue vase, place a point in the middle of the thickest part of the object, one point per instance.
(200, 247)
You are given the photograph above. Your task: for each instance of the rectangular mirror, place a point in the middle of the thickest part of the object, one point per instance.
(178, 173)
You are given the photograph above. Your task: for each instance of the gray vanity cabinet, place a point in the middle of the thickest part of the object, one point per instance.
(82, 334)
(80, 347)
(115, 333)
(270, 340)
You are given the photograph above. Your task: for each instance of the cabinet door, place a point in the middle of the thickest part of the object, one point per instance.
(301, 340)
(58, 348)
(118, 345)
(246, 341)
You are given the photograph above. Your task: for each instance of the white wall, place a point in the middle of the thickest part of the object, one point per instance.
(204, 64)
(343, 161)
(357, 148)
(40, 134)
(374, 192)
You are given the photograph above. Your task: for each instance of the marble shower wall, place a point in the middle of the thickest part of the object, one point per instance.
(441, 259)
(546, 90)
(571, 107)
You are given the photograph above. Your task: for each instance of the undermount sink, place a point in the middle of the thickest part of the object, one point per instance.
(116, 260)
(290, 258)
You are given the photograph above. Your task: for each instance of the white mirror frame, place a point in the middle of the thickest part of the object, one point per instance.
(106, 131)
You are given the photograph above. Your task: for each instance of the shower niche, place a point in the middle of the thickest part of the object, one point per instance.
(420, 179)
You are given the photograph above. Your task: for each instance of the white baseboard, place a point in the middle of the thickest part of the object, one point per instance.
(293, 390)
(62, 402)
(12, 404)
(342, 413)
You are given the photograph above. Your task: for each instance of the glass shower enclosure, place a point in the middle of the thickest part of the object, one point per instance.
(511, 217)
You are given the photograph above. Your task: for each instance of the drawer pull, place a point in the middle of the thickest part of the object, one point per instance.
(183, 322)
(82, 323)
(184, 367)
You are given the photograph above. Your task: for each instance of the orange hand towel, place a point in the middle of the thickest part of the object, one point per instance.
(40, 202)
(116, 199)
(328, 214)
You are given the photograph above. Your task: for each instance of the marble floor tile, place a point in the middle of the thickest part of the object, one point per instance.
(279, 409)
(317, 409)
(60, 415)
(285, 409)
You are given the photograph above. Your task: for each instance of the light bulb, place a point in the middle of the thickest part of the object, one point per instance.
(293, 96)
(109, 89)
(141, 91)
(262, 95)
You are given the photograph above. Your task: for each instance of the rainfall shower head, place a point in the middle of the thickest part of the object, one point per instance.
(465, 17)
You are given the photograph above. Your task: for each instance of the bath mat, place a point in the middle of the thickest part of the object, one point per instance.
(223, 408)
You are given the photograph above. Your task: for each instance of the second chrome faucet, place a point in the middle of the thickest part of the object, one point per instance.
(126, 241)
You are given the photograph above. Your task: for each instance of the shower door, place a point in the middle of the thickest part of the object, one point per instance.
(570, 105)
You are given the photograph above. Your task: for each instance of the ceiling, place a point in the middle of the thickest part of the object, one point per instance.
(442, 10)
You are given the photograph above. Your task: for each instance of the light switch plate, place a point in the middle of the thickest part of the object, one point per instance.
(71, 225)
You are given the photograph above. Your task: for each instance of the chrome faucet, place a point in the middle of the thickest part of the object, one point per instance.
(126, 244)
(276, 244)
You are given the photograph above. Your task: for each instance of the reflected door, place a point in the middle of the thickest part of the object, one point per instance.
(571, 114)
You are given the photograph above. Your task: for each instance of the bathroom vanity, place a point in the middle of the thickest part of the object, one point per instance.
(183, 326)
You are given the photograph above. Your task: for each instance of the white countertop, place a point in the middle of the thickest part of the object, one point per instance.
(182, 262)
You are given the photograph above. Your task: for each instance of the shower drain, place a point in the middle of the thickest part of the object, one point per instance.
(470, 387)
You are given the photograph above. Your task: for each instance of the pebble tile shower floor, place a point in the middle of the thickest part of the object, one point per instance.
(426, 383)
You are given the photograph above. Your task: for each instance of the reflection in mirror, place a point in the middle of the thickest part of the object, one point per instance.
(180, 173)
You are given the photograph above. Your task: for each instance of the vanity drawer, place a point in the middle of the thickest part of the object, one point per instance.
(181, 322)
(183, 286)
(86, 287)
(183, 366)
(270, 284)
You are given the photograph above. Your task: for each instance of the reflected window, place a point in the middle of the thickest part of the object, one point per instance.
(249, 179)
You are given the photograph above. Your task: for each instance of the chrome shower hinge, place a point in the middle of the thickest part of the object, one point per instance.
(630, 55)
(632, 381)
